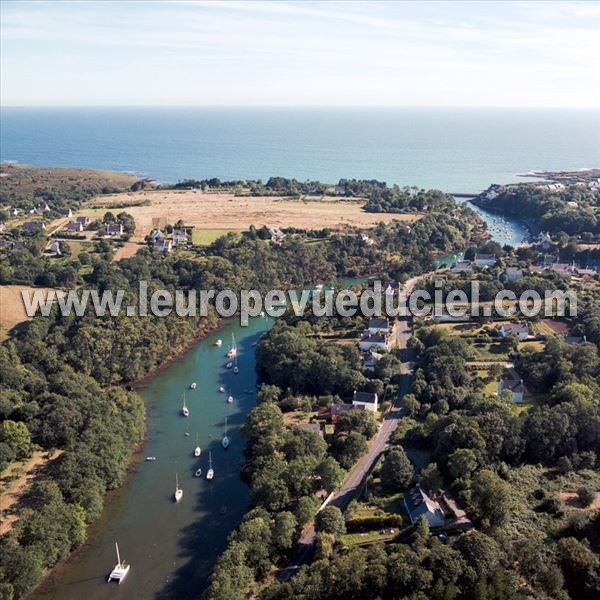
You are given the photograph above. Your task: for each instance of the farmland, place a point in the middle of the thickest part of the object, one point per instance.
(227, 212)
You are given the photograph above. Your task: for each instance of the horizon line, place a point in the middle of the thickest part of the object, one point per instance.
(307, 106)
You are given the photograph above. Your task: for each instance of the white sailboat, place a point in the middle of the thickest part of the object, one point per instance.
(225, 440)
(193, 386)
(121, 569)
(230, 399)
(197, 449)
(184, 411)
(219, 343)
(233, 350)
(178, 491)
(236, 369)
(211, 472)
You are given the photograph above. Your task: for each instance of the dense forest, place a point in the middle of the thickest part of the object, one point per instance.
(573, 210)
(504, 467)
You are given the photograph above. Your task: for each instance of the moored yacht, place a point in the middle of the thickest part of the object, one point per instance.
(121, 569)
(197, 449)
(178, 495)
(225, 440)
(211, 472)
(184, 410)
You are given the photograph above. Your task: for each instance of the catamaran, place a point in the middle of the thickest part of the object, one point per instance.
(178, 491)
(225, 440)
(184, 411)
(211, 472)
(233, 350)
(197, 449)
(121, 569)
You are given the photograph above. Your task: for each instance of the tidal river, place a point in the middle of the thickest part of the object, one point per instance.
(172, 547)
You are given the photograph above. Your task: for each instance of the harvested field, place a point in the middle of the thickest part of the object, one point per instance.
(12, 309)
(14, 481)
(226, 212)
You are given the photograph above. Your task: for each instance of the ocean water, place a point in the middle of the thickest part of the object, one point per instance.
(456, 150)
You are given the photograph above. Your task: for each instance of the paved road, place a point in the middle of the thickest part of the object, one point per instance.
(361, 469)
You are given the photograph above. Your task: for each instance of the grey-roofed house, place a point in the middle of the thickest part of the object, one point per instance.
(369, 340)
(461, 266)
(85, 221)
(512, 274)
(512, 382)
(370, 359)
(314, 427)
(114, 229)
(365, 400)
(378, 325)
(75, 226)
(34, 226)
(419, 504)
(485, 260)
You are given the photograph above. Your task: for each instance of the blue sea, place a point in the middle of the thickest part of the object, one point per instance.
(456, 150)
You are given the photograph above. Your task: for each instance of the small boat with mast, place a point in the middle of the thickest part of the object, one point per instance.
(225, 440)
(184, 410)
(193, 385)
(233, 350)
(197, 449)
(230, 399)
(121, 569)
(211, 472)
(178, 495)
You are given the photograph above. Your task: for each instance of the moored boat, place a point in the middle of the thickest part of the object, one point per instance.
(121, 569)
(178, 495)
(211, 472)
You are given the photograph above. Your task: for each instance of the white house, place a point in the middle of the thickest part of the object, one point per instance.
(157, 234)
(419, 504)
(53, 248)
(367, 240)
(544, 240)
(461, 266)
(339, 190)
(376, 341)
(512, 382)
(485, 260)
(164, 245)
(521, 330)
(180, 236)
(276, 235)
(370, 359)
(365, 400)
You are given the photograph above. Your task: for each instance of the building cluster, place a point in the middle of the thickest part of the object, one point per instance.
(162, 243)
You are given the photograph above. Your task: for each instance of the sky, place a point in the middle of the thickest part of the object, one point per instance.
(534, 54)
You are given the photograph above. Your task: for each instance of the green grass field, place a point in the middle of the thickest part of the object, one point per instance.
(204, 237)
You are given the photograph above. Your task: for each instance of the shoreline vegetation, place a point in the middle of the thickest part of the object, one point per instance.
(60, 375)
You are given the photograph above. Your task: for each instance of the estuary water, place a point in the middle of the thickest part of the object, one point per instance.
(172, 547)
